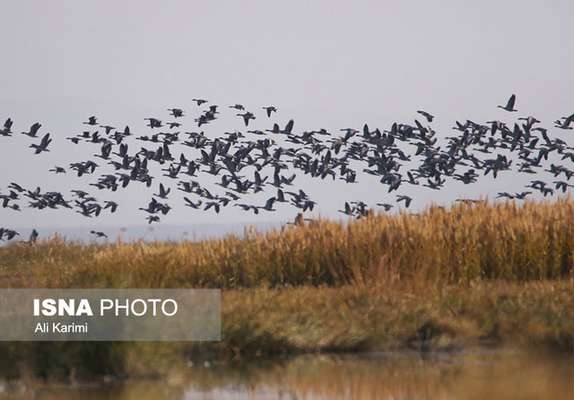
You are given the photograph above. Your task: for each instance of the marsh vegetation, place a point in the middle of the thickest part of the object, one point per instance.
(445, 279)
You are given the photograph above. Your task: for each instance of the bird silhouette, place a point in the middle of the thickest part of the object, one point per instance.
(43, 145)
(269, 110)
(99, 234)
(33, 131)
(213, 171)
(509, 104)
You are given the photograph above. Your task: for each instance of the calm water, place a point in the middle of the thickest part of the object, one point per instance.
(484, 375)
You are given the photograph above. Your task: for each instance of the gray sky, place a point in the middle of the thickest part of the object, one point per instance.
(331, 64)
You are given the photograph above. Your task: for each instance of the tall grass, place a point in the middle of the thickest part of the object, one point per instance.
(440, 279)
(502, 241)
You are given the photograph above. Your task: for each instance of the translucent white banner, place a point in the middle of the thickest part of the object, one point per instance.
(110, 315)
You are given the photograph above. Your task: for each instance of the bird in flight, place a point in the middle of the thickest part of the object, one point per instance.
(33, 131)
(272, 161)
(43, 145)
(246, 117)
(428, 116)
(269, 110)
(509, 104)
(99, 234)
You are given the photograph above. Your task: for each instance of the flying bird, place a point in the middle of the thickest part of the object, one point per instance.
(509, 104)
(269, 110)
(43, 145)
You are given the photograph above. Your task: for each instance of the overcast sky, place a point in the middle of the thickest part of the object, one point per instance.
(332, 64)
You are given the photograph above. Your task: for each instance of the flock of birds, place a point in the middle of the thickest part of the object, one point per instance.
(253, 161)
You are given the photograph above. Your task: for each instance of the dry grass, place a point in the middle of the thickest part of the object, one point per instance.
(505, 241)
(259, 323)
(442, 279)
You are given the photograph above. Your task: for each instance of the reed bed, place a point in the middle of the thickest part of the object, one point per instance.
(442, 279)
(466, 243)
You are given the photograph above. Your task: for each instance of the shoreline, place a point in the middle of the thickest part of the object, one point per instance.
(444, 279)
(263, 324)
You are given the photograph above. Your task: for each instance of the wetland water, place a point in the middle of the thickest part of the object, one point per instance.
(474, 375)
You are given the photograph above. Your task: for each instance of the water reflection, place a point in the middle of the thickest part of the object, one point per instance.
(477, 375)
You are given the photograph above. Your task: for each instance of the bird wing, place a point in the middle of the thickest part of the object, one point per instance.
(511, 101)
(289, 126)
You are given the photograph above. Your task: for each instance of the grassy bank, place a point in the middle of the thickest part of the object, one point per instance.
(269, 322)
(444, 279)
(467, 243)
